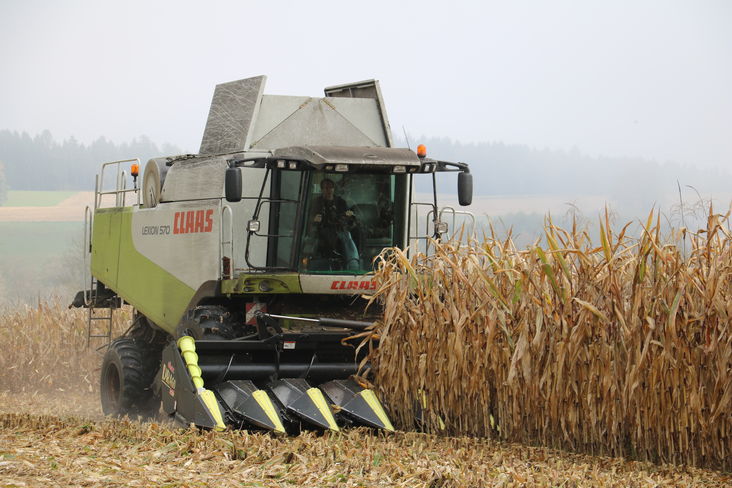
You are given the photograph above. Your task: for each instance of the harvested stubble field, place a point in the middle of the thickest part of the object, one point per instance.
(537, 346)
(50, 451)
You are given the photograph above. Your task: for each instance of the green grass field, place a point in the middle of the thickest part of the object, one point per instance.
(39, 259)
(38, 240)
(36, 198)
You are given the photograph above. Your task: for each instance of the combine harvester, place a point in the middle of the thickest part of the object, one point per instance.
(247, 263)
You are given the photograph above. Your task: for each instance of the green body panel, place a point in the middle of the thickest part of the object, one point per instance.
(105, 246)
(262, 284)
(159, 295)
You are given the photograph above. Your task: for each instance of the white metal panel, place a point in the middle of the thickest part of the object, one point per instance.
(233, 111)
(364, 89)
(363, 113)
(316, 123)
(187, 249)
(273, 111)
(195, 180)
(243, 211)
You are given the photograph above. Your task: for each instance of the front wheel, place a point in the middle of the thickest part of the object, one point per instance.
(128, 371)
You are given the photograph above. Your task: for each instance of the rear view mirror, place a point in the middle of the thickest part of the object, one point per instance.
(465, 188)
(232, 184)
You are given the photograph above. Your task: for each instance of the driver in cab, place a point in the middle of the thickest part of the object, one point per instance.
(333, 219)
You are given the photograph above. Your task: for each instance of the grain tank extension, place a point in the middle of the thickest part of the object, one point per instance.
(247, 263)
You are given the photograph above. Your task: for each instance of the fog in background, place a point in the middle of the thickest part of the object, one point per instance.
(559, 107)
(646, 79)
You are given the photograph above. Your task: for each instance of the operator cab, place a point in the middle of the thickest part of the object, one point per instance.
(347, 220)
(333, 210)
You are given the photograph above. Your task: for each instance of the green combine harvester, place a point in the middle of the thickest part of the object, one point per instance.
(248, 264)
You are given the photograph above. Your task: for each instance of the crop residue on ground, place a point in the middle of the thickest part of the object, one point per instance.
(52, 451)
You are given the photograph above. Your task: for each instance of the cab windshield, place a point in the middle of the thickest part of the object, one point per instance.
(348, 220)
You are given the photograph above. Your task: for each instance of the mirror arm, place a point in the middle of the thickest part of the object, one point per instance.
(450, 166)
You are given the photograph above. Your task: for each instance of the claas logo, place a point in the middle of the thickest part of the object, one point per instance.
(193, 221)
(353, 285)
(168, 377)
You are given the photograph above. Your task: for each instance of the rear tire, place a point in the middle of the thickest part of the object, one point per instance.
(128, 370)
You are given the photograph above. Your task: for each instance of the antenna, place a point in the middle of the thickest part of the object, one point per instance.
(406, 137)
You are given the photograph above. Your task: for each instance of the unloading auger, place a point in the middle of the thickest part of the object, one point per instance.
(247, 264)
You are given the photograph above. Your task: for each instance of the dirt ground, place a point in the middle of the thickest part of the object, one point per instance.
(69, 210)
(61, 439)
(60, 404)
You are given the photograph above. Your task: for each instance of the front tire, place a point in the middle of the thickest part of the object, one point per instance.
(128, 370)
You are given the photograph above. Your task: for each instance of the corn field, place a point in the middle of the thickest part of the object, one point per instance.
(620, 348)
(44, 348)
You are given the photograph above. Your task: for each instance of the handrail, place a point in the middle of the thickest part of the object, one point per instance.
(455, 213)
(120, 200)
(417, 235)
(86, 251)
(429, 219)
(120, 192)
(96, 191)
(224, 210)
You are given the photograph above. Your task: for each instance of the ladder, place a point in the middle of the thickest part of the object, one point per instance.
(96, 316)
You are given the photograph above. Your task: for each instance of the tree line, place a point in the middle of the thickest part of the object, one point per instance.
(3, 185)
(42, 163)
(633, 184)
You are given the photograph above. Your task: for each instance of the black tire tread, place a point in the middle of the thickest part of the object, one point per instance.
(136, 364)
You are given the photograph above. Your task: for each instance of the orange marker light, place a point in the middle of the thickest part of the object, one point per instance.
(421, 150)
(135, 170)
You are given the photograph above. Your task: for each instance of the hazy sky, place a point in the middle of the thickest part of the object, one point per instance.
(637, 78)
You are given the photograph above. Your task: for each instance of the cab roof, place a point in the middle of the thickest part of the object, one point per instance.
(320, 157)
